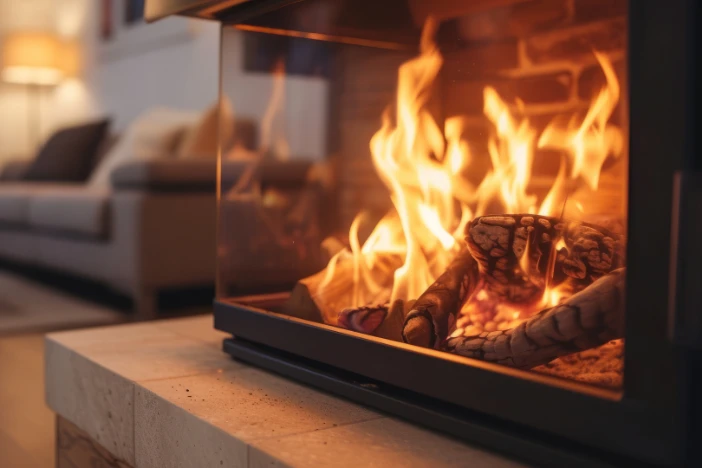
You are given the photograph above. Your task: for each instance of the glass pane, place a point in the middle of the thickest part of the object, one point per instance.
(466, 192)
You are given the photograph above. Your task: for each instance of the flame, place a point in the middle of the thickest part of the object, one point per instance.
(410, 158)
(273, 131)
(589, 143)
(424, 165)
(511, 152)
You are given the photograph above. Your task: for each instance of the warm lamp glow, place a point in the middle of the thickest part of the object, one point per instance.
(71, 63)
(34, 58)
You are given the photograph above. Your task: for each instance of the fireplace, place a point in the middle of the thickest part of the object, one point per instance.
(476, 215)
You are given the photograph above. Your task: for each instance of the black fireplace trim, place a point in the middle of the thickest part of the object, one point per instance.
(506, 439)
(481, 387)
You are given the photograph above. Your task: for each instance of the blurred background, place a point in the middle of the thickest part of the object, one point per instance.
(114, 65)
(108, 145)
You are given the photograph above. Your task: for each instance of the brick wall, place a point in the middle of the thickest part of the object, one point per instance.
(539, 51)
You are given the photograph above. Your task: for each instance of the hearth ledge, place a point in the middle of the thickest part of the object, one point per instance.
(165, 394)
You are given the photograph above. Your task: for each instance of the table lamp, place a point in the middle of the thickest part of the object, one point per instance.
(35, 60)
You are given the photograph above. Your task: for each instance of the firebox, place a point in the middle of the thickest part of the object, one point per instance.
(481, 216)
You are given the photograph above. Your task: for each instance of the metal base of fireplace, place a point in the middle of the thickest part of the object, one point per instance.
(503, 437)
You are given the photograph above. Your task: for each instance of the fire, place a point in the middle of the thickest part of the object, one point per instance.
(410, 158)
(423, 163)
(590, 142)
(273, 132)
(511, 153)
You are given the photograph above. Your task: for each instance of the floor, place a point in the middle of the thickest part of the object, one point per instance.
(26, 423)
(28, 306)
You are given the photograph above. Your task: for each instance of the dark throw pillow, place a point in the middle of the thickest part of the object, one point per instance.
(69, 154)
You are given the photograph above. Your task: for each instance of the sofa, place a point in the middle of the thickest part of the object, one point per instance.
(153, 227)
(142, 217)
(137, 213)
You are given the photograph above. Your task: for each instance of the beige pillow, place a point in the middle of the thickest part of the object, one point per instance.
(200, 141)
(154, 134)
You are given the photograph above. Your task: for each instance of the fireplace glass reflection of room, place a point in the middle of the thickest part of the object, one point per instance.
(464, 213)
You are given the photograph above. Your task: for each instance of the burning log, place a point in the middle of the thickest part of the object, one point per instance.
(384, 321)
(322, 296)
(591, 252)
(499, 243)
(391, 328)
(364, 319)
(516, 253)
(428, 323)
(586, 320)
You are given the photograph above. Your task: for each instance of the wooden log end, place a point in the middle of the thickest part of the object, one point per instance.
(364, 319)
(301, 305)
(391, 328)
(419, 329)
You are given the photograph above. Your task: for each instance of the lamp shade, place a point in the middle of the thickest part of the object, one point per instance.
(32, 58)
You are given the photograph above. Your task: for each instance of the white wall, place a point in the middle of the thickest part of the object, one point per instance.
(183, 73)
(19, 15)
(302, 116)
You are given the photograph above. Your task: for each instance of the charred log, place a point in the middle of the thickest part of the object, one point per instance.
(383, 320)
(364, 319)
(586, 320)
(391, 328)
(428, 322)
(321, 298)
(591, 252)
(516, 254)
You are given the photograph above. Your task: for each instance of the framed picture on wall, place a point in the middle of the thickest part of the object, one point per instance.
(123, 31)
(106, 20)
(133, 11)
(300, 56)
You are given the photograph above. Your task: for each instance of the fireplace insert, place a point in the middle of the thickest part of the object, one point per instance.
(482, 216)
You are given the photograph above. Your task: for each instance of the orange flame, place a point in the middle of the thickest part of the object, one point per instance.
(511, 153)
(423, 166)
(589, 144)
(273, 137)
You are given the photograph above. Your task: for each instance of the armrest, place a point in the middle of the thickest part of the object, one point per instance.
(166, 175)
(201, 175)
(14, 170)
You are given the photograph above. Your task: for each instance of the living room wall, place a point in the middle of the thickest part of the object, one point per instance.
(133, 72)
(181, 74)
(19, 15)
(127, 77)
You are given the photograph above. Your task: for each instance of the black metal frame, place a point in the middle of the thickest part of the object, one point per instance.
(484, 388)
(505, 438)
(651, 420)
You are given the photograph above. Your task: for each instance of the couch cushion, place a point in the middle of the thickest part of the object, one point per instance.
(68, 155)
(74, 210)
(14, 170)
(14, 202)
(154, 134)
(202, 139)
(167, 175)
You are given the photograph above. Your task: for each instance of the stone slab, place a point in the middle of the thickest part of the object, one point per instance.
(382, 442)
(252, 404)
(199, 328)
(92, 397)
(188, 440)
(164, 394)
(155, 350)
